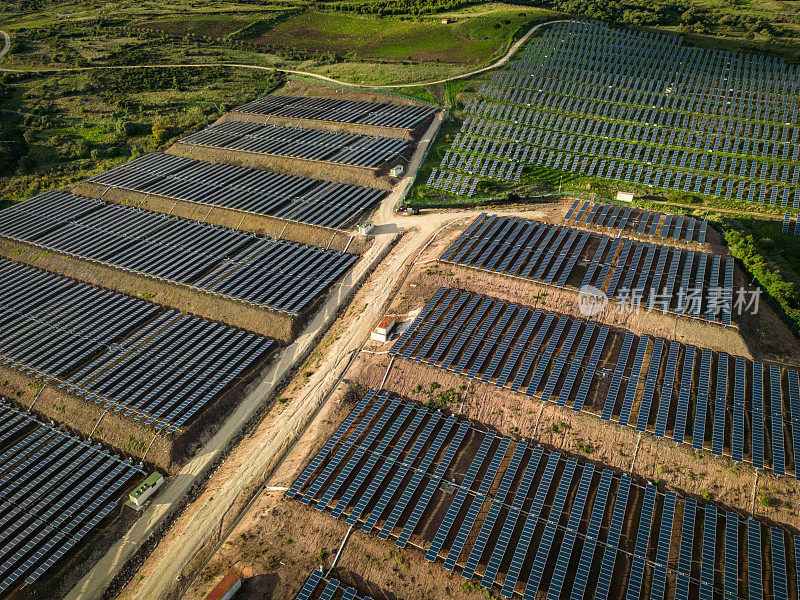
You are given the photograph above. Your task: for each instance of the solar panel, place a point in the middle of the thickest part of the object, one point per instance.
(662, 553)
(701, 406)
(708, 553)
(546, 541)
(375, 481)
(684, 393)
(581, 577)
(361, 449)
(739, 383)
(757, 414)
(755, 587)
(642, 540)
(561, 360)
(616, 378)
(779, 579)
(731, 579)
(719, 404)
(649, 385)
(633, 381)
(344, 449)
(309, 585)
(544, 359)
(575, 364)
(567, 543)
(394, 484)
(794, 407)
(588, 374)
(776, 410)
(612, 540)
(682, 579)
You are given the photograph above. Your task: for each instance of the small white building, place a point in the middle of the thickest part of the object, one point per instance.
(396, 171)
(624, 197)
(384, 329)
(365, 228)
(146, 489)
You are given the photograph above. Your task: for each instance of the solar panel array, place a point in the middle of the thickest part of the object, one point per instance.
(262, 271)
(298, 142)
(128, 354)
(319, 587)
(404, 116)
(642, 108)
(621, 220)
(655, 277)
(542, 515)
(787, 222)
(729, 405)
(55, 488)
(279, 195)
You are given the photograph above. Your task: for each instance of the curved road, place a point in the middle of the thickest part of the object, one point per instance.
(7, 46)
(498, 63)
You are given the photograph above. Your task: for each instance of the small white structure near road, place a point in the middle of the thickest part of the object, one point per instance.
(147, 488)
(384, 329)
(365, 228)
(624, 196)
(396, 171)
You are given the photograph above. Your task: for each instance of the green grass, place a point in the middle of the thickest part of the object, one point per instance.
(469, 40)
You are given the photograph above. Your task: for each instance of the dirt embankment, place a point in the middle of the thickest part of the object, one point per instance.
(279, 326)
(324, 237)
(123, 432)
(304, 167)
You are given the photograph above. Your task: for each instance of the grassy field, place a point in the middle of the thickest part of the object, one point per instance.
(58, 129)
(468, 40)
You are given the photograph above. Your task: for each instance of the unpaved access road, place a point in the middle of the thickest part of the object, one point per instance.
(7, 45)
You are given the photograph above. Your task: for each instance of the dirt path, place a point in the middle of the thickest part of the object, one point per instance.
(7, 47)
(498, 63)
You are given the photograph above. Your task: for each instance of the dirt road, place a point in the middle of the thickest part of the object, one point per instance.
(498, 63)
(7, 45)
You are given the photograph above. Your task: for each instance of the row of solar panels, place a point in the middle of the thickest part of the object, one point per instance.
(727, 404)
(640, 221)
(298, 142)
(787, 221)
(769, 90)
(638, 274)
(529, 520)
(290, 197)
(650, 125)
(454, 183)
(125, 353)
(275, 274)
(644, 165)
(342, 111)
(320, 587)
(55, 489)
(662, 144)
(609, 94)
